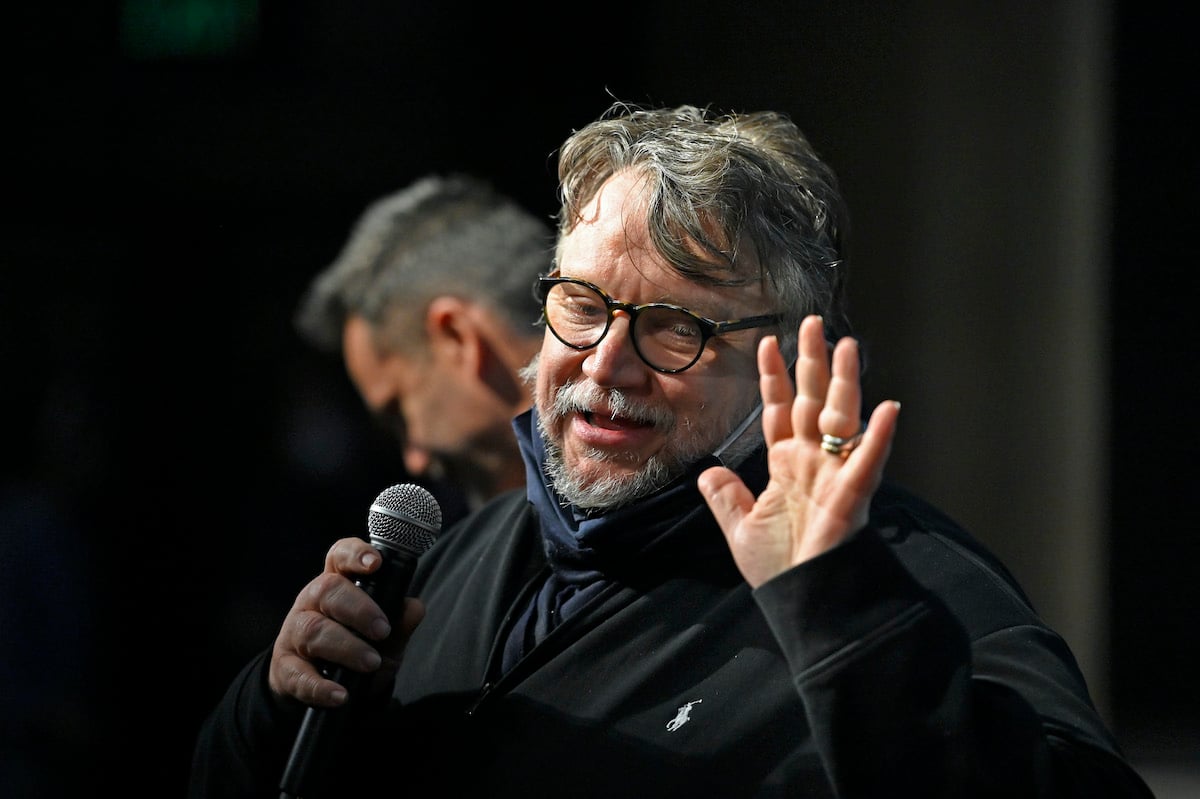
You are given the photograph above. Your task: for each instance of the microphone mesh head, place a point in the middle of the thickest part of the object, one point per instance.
(405, 516)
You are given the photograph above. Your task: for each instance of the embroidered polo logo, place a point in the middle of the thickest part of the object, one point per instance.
(682, 716)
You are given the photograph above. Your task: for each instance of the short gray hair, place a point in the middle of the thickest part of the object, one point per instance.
(440, 235)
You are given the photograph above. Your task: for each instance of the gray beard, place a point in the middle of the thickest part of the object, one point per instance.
(613, 492)
(607, 493)
(687, 444)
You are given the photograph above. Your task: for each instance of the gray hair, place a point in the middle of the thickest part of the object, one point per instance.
(734, 198)
(440, 235)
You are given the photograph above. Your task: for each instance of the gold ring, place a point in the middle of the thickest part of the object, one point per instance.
(842, 447)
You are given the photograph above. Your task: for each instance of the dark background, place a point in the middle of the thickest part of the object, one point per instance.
(176, 461)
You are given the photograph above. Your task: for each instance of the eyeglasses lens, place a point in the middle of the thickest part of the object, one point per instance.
(666, 338)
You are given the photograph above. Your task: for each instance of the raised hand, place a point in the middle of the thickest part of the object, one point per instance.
(824, 467)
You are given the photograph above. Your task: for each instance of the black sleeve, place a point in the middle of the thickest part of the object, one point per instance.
(902, 702)
(243, 745)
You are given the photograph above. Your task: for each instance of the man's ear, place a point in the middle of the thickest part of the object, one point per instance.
(467, 338)
(452, 331)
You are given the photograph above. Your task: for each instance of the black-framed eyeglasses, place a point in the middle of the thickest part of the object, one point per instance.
(667, 338)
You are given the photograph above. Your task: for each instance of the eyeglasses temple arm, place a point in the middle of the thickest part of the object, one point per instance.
(790, 356)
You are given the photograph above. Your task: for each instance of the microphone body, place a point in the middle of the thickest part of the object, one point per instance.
(403, 523)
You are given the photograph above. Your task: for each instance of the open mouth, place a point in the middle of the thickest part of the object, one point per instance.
(613, 422)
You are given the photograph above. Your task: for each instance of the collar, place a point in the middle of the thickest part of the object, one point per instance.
(581, 545)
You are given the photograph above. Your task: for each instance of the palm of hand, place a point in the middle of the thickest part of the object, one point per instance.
(814, 498)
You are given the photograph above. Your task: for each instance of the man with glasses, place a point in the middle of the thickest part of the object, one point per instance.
(706, 589)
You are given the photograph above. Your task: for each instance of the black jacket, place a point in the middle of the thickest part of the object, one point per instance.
(904, 663)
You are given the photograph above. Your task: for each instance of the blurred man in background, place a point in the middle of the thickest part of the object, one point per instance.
(429, 303)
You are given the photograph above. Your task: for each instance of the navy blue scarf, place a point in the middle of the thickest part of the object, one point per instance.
(583, 549)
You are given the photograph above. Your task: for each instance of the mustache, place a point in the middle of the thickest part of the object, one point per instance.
(588, 398)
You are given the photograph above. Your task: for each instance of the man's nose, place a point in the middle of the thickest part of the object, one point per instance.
(614, 361)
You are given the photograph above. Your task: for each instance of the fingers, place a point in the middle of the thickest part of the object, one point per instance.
(352, 556)
(866, 462)
(828, 392)
(775, 386)
(841, 415)
(335, 624)
(334, 594)
(812, 376)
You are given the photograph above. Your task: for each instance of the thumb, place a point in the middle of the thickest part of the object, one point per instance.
(727, 497)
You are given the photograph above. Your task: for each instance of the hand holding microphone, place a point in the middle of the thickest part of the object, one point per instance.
(325, 654)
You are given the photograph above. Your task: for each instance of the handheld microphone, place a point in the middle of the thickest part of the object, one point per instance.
(403, 523)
